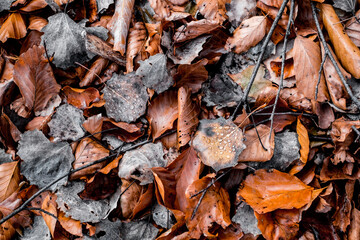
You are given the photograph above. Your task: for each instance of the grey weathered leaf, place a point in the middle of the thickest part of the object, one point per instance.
(66, 124)
(39, 230)
(346, 5)
(44, 161)
(103, 4)
(155, 74)
(238, 10)
(245, 217)
(286, 151)
(84, 210)
(137, 163)
(66, 40)
(5, 4)
(125, 97)
(4, 157)
(162, 216)
(221, 91)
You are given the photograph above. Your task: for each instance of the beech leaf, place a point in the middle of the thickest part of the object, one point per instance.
(44, 161)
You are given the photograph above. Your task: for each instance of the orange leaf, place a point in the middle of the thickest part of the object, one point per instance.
(347, 52)
(35, 79)
(307, 61)
(72, 226)
(49, 204)
(162, 113)
(13, 27)
(267, 191)
(188, 116)
(120, 22)
(9, 179)
(81, 98)
(87, 152)
(248, 34)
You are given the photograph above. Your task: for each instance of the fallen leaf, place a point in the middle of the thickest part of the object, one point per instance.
(130, 197)
(254, 152)
(137, 163)
(267, 191)
(162, 216)
(346, 5)
(214, 208)
(188, 116)
(35, 79)
(340, 171)
(88, 151)
(194, 29)
(161, 8)
(307, 61)
(81, 98)
(13, 27)
(162, 112)
(219, 143)
(271, 9)
(44, 161)
(120, 23)
(248, 34)
(191, 75)
(9, 178)
(352, 29)
(5, 5)
(345, 49)
(125, 97)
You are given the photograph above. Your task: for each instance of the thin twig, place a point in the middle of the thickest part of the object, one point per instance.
(319, 78)
(41, 210)
(24, 205)
(327, 52)
(257, 66)
(283, 55)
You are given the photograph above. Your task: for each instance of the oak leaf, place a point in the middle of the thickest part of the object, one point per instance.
(267, 191)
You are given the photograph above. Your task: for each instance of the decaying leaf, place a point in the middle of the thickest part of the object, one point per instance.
(125, 97)
(44, 161)
(162, 113)
(219, 143)
(35, 79)
(49, 205)
(267, 191)
(66, 124)
(137, 163)
(155, 73)
(13, 27)
(120, 23)
(248, 34)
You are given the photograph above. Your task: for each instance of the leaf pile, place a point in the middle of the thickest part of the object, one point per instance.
(179, 119)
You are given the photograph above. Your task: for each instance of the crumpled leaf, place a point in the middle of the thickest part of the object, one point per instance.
(137, 163)
(100, 186)
(191, 75)
(125, 97)
(66, 124)
(267, 191)
(13, 27)
(130, 197)
(81, 98)
(352, 29)
(155, 74)
(248, 34)
(9, 179)
(219, 143)
(245, 217)
(88, 151)
(214, 208)
(39, 230)
(84, 210)
(346, 51)
(307, 61)
(254, 152)
(238, 10)
(120, 23)
(35, 79)
(162, 112)
(44, 161)
(213, 9)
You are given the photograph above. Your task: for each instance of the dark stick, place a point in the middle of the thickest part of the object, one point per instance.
(23, 206)
(283, 56)
(263, 48)
(327, 52)
(318, 82)
(42, 210)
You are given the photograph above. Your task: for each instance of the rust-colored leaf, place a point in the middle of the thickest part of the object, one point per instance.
(129, 199)
(81, 98)
(13, 27)
(214, 208)
(340, 171)
(87, 152)
(307, 61)
(267, 191)
(120, 23)
(9, 179)
(162, 113)
(346, 51)
(35, 79)
(188, 116)
(254, 152)
(219, 143)
(247, 35)
(160, 7)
